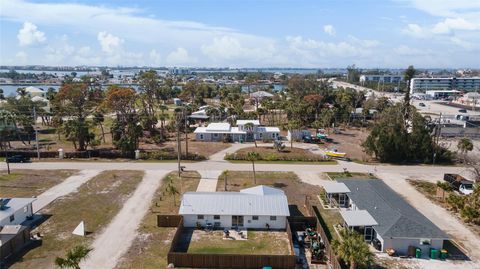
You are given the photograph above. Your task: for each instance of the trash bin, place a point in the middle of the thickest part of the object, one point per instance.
(434, 254)
(418, 253)
(443, 254)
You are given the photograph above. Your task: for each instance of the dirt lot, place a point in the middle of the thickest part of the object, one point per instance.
(258, 242)
(295, 189)
(96, 203)
(350, 141)
(271, 154)
(149, 249)
(28, 183)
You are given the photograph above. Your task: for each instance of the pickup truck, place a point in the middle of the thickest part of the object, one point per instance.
(459, 183)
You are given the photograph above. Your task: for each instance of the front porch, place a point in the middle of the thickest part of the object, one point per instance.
(336, 194)
(360, 221)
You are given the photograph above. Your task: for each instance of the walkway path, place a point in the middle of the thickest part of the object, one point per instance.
(69, 185)
(117, 237)
(209, 180)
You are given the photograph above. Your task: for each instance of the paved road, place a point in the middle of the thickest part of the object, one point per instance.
(69, 185)
(117, 237)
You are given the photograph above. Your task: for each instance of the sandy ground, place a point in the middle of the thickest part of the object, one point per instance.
(438, 215)
(69, 185)
(117, 237)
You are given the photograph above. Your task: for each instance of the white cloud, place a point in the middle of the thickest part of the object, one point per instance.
(415, 30)
(109, 42)
(21, 56)
(329, 29)
(30, 35)
(450, 24)
(155, 57)
(404, 50)
(179, 57)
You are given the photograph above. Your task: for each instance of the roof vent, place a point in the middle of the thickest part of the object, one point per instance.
(375, 207)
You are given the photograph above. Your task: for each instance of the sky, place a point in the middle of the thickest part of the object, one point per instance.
(242, 33)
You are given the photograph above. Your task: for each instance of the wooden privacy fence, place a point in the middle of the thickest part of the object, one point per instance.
(200, 260)
(168, 220)
(335, 263)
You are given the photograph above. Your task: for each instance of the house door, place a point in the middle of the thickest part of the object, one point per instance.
(341, 200)
(368, 233)
(237, 221)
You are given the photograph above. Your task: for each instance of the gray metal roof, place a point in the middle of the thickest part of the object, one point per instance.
(335, 187)
(234, 203)
(355, 218)
(262, 190)
(396, 218)
(13, 205)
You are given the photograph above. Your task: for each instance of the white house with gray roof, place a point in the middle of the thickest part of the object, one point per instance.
(378, 212)
(222, 131)
(259, 207)
(14, 211)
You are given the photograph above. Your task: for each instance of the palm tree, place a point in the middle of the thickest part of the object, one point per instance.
(353, 249)
(73, 257)
(172, 190)
(253, 156)
(465, 145)
(250, 131)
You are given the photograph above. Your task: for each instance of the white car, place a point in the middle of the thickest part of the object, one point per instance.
(466, 189)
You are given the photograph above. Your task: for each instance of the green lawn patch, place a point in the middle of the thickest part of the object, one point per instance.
(347, 175)
(258, 242)
(270, 154)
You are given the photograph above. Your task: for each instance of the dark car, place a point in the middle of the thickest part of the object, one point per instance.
(18, 159)
(462, 110)
(421, 104)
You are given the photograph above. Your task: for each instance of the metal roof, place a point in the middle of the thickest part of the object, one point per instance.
(13, 205)
(396, 218)
(234, 203)
(262, 190)
(218, 126)
(335, 187)
(355, 218)
(267, 129)
(243, 122)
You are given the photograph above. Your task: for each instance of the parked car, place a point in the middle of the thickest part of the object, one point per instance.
(18, 159)
(459, 183)
(421, 104)
(462, 110)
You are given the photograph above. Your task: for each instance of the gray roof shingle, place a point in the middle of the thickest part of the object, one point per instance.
(396, 218)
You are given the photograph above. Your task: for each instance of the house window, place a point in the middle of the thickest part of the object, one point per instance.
(216, 216)
(424, 241)
(215, 135)
(261, 135)
(12, 218)
(273, 218)
(201, 136)
(254, 217)
(199, 216)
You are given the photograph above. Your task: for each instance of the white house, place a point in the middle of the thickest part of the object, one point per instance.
(34, 91)
(221, 131)
(14, 211)
(259, 207)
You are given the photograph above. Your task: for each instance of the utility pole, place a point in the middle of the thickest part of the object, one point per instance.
(179, 149)
(36, 131)
(186, 133)
(6, 156)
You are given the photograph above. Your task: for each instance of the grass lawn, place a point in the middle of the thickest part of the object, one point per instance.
(96, 203)
(330, 218)
(150, 248)
(342, 175)
(28, 183)
(327, 162)
(258, 242)
(295, 189)
(272, 155)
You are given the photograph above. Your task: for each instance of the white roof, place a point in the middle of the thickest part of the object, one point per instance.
(355, 218)
(235, 130)
(260, 94)
(267, 129)
(13, 205)
(32, 89)
(254, 202)
(218, 126)
(262, 190)
(39, 99)
(335, 187)
(243, 122)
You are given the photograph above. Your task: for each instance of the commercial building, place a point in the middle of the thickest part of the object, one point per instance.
(452, 83)
(381, 78)
(258, 207)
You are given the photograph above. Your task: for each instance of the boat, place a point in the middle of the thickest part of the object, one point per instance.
(335, 154)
